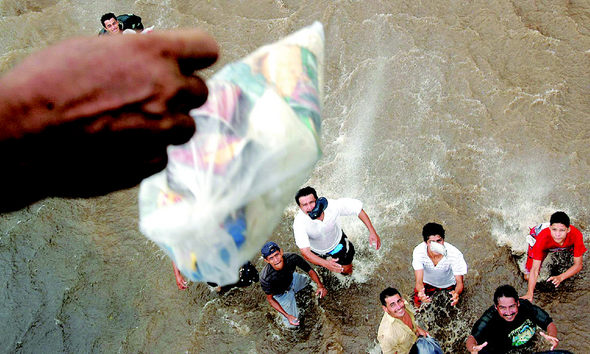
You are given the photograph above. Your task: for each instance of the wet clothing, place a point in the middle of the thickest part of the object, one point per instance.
(443, 274)
(276, 282)
(502, 335)
(544, 243)
(322, 236)
(395, 336)
(344, 253)
(283, 284)
(426, 345)
(287, 299)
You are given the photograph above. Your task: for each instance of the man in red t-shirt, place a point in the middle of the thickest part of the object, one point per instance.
(557, 237)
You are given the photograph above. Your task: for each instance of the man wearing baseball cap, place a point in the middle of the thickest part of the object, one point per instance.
(280, 282)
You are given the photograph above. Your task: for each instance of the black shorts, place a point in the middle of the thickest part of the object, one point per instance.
(345, 255)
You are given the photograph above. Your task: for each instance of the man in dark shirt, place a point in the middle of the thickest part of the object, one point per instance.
(280, 282)
(510, 323)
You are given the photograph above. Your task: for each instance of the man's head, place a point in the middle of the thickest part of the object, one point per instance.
(110, 23)
(273, 255)
(559, 224)
(306, 198)
(506, 302)
(433, 232)
(392, 302)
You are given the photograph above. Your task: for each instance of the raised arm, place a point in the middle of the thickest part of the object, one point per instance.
(373, 237)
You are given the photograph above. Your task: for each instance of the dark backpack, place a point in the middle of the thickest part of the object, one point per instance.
(130, 21)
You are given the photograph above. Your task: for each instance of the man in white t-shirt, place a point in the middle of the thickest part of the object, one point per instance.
(437, 266)
(318, 233)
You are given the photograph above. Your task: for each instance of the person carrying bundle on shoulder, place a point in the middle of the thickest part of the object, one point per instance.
(121, 24)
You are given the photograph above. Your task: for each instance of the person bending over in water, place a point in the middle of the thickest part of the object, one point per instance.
(318, 234)
(121, 24)
(559, 236)
(280, 282)
(437, 266)
(508, 324)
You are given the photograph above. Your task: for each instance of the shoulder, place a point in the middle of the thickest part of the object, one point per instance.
(293, 258)
(480, 328)
(542, 239)
(540, 316)
(453, 252)
(345, 203)
(336, 203)
(386, 326)
(266, 274)
(299, 261)
(528, 308)
(575, 232)
(526, 305)
(487, 317)
(421, 247)
(300, 216)
(290, 256)
(452, 249)
(385, 320)
(546, 232)
(419, 250)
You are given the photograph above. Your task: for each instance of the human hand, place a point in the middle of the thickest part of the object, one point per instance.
(454, 297)
(91, 115)
(556, 280)
(527, 296)
(321, 292)
(374, 240)
(477, 348)
(422, 296)
(422, 332)
(181, 283)
(333, 266)
(347, 269)
(554, 341)
(293, 320)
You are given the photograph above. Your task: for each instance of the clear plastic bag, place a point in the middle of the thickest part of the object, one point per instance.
(223, 193)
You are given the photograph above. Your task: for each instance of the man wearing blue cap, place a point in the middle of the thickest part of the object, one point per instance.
(280, 282)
